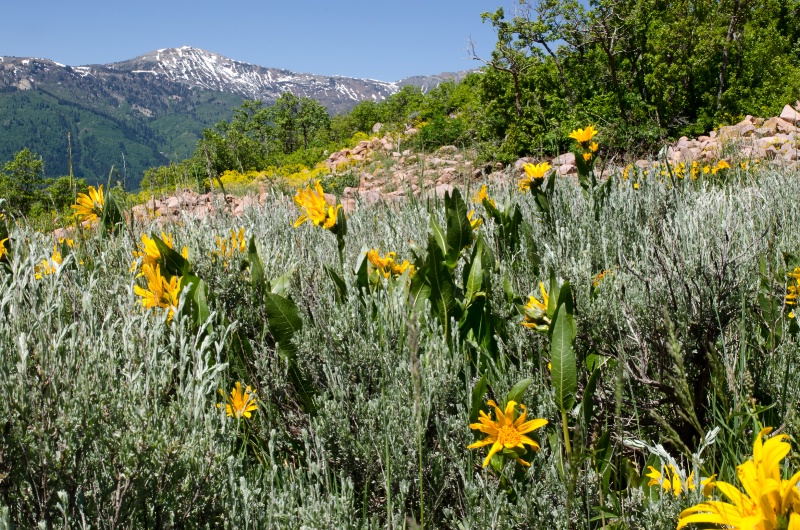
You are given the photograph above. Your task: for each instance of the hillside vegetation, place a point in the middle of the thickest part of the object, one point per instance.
(257, 372)
(576, 345)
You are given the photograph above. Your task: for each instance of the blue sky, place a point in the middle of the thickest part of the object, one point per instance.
(384, 39)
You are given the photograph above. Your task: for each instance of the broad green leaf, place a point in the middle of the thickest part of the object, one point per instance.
(362, 272)
(564, 373)
(173, 263)
(517, 392)
(475, 278)
(459, 229)
(553, 294)
(477, 399)
(196, 303)
(438, 235)
(338, 282)
(587, 405)
(280, 285)
(257, 277)
(443, 289)
(602, 453)
(284, 321)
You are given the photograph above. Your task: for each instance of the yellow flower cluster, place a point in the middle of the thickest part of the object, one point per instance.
(240, 403)
(670, 480)
(793, 290)
(533, 173)
(89, 207)
(160, 292)
(387, 265)
(584, 138)
(507, 432)
(149, 252)
(600, 276)
(535, 312)
(315, 209)
(49, 266)
(768, 502)
(227, 248)
(481, 195)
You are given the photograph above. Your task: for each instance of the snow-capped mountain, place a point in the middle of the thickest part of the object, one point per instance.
(196, 68)
(152, 108)
(199, 68)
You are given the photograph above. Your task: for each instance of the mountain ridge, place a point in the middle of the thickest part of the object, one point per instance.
(147, 111)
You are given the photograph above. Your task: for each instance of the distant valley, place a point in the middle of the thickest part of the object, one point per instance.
(149, 110)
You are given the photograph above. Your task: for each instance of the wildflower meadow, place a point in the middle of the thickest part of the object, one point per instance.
(535, 352)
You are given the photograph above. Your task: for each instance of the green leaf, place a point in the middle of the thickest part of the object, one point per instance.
(474, 281)
(517, 392)
(477, 399)
(439, 278)
(196, 304)
(173, 263)
(284, 321)
(459, 229)
(587, 405)
(257, 277)
(553, 295)
(564, 372)
(338, 282)
(602, 453)
(438, 235)
(362, 272)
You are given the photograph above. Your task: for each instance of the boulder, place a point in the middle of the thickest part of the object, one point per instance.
(567, 169)
(447, 150)
(789, 114)
(566, 158)
(370, 196)
(377, 127)
(443, 189)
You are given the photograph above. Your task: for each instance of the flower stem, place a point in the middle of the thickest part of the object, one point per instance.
(565, 427)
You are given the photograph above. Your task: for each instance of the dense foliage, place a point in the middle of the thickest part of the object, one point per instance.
(274, 374)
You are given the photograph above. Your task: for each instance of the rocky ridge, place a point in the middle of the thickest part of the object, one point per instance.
(388, 173)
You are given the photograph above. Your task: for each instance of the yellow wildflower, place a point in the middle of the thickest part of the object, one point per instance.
(149, 253)
(599, 277)
(481, 196)
(241, 402)
(3, 250)
(722, 164)
(587, 156)
(670, 480)
(89, 206)
(594, 146)
(583, 136)
(387, 266)
(506, 432)
(160, 293)
(636, 185)
(768, 501)
(535, 312)
(706, 169)
(536, 171)
(532, 172)
(49, 266)
(314, 207)
(626, 171)
(227, 248)
(708, 484)
(381, 264)
(476, 223)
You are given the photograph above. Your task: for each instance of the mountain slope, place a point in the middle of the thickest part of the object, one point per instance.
(151, 109)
